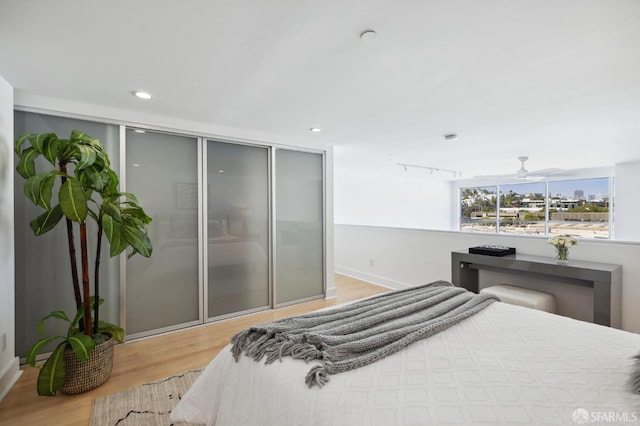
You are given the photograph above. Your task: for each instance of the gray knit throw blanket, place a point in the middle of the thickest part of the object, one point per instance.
(359, 333)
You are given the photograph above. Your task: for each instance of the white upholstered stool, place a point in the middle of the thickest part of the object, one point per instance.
(522, 297)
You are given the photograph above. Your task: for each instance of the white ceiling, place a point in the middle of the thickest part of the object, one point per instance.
(557, 80)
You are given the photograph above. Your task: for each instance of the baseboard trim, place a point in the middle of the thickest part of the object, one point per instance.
(9, 377)
(371, 278)
(330, 293)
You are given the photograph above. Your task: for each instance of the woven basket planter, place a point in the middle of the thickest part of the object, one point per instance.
(84, 376)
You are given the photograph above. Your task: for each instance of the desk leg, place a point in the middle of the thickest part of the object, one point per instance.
(463, 276)
(602, 303)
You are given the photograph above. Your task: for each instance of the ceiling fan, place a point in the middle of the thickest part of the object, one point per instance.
(523, 173)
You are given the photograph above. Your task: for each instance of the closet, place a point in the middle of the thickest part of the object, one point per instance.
(237, 227)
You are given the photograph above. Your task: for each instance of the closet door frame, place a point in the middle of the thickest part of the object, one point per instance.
(205, 231)
(123, 256)
(274, 227)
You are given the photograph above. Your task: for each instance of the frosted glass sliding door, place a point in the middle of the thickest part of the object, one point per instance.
(299, 226)
(163, 291)
(237, 228)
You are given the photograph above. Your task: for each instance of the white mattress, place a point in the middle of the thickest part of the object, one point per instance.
(505, 365)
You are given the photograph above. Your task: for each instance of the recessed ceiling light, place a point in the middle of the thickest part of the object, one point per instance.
(368, 35)
(136, 165)
(139, 131)
(450, 136)
(142, 95)
(220, 171)
(316, 129)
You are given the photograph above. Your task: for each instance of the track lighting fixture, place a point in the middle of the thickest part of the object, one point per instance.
(430, 169)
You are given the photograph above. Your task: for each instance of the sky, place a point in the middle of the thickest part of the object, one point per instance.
(589, 186)
(564, 187)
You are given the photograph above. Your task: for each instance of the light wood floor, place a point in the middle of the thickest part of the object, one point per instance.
(153, 358)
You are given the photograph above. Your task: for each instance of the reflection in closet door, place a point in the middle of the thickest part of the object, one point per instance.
(237, 228)
(162, 292)
(299, 221)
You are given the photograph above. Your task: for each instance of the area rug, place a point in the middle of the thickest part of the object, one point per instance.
(144, 405)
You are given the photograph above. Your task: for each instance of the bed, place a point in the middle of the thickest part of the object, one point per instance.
(504, 365)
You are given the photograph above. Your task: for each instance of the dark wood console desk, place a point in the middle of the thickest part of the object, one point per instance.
(604, 278)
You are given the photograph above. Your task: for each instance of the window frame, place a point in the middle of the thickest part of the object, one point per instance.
(461, 185)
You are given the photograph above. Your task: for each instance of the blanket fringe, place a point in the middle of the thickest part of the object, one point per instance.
(238, 341)
(305, 351)
(276, 353)
(318, 375)
(257, 348)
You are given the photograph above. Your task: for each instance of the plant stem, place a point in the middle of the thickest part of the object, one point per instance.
(85, 279)
(96, 279)
(72, 254)
(562, 253)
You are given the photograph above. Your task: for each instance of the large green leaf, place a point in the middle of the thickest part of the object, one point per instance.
(113, 182)
(107, 177)
(129, 196)
(114, 330)
(54, 314)
(90, 178)
(46, 221)
(26, 165)
(78, 136)
(50, 149)
(39, 347)
(111, 228)
(136, 213)
(138, 223)
(87, 156)
(82, 346)
(66, 150)
(112, 210)
(73, 201)
(32, 188)
(46, 191)
(38, 141)
(102, 162)
(137, 239)
(21, 140)
(39, 189)
(51, 377)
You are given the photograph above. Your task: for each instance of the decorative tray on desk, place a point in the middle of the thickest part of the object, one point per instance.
(492, 250)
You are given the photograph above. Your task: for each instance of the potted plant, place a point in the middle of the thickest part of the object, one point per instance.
(88, 189)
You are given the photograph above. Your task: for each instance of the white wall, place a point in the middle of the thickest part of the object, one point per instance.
(392, 200)
(9, 363)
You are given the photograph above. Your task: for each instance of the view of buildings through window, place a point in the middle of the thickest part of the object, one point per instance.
(577, 207)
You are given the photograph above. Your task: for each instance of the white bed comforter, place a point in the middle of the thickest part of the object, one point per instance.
(505, 365)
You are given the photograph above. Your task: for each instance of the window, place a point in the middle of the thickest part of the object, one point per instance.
(578, 207)
(522, 209)
(478, 207)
